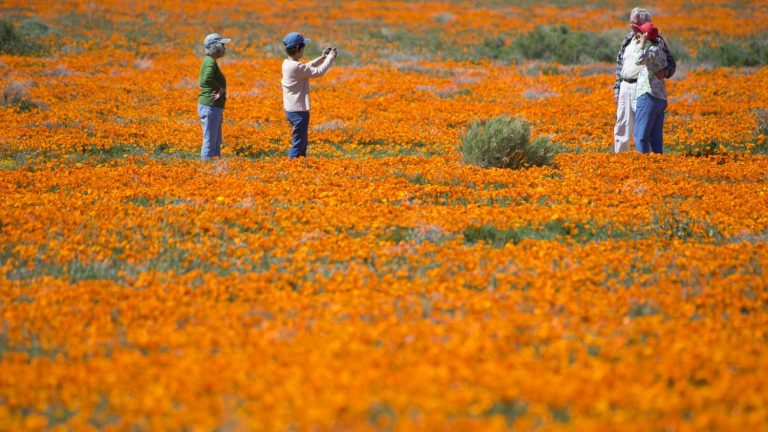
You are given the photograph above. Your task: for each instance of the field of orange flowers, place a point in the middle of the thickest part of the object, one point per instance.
(381, 283)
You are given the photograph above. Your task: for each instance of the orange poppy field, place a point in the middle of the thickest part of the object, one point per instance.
(382, 283)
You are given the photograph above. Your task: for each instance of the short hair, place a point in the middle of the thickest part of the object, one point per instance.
(292, 51)
(214, 50)
(643, 14)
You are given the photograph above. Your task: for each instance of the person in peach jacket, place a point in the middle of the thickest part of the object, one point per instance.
(295, 82)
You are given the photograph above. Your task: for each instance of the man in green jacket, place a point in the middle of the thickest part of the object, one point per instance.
(213, 96)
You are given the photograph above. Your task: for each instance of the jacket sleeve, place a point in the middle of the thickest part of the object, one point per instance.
(317, 62)
(651, 54)
(307, 71)
(671, 66)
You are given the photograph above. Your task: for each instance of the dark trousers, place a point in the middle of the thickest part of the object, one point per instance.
(299, 139)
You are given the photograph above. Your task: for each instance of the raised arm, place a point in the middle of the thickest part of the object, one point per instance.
(309, 71)
(652, 54)
(317, 62)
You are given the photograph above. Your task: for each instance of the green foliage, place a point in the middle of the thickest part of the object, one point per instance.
(560, 415)
(668, 221)
(679, 50)
(495, 49)
(428, 42)
(103, 155)
(537, 69)
(21, 41)
(16, 94)
(32, 346)
(14, 158)
(762, 121)
(382, 416)
(710, 148)
(504, 142)
(252, 150)
(509, 409)
(490, 235)
(33, 28)
(553, 230)
(554, 44)
(638, 310)
(417, 179)
(717, 148)
(761, 147)
(748, 52)
(671, 220)
(417, 235)
(563, 45)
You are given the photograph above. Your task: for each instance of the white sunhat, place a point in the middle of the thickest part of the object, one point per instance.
(215, 38)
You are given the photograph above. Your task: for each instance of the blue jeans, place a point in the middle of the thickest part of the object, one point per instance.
(649, 124)
(211, 119)
(299, 140)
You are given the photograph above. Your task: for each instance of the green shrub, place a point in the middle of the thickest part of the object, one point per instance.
(16, 94)
(680, 51)
(749, 52)
(428, 42)
(33, 28)
(509, 409)
(490, 235)
(504, 142)
(762, 121)
(760, 145)
(14, 41)
(553, 44)
(495, 49)
(562, 45)
(670, 220)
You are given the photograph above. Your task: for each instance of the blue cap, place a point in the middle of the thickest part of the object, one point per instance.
(294, 39)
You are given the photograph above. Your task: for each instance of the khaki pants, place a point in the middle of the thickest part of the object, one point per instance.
(626, 108)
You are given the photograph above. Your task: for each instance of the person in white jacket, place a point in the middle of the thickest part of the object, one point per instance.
(295, 83)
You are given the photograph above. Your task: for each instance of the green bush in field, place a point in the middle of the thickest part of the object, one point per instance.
(563, 45)
(33, 28)
(495, 48)
(761, 144)
(553, 44)
(15, 41)
(505, 142)
(762, 121)
(750, 52)
(16, 94)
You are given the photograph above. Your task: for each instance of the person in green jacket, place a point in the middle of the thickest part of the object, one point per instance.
(213, 96)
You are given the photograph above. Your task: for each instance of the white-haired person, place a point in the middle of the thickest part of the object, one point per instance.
(213, 96)
(627, 73)
(295, 84)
